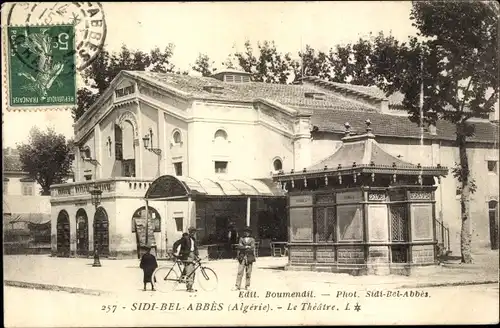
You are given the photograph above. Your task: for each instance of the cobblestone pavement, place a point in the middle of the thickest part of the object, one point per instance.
(471, 304)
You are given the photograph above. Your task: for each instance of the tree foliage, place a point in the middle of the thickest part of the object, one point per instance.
(46, 158)
(457, 64)
(106, 67)
(204, 65)
(269, 65)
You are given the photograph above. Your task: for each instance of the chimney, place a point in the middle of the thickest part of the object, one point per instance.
(384, 106)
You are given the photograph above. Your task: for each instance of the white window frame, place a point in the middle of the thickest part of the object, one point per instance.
(274, 160)
(173, 142)
(226, 139)
(25, 184)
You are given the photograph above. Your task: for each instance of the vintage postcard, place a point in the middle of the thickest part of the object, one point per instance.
(250, 163)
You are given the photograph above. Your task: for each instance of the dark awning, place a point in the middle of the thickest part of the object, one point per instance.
(171, 187)
(34, 218)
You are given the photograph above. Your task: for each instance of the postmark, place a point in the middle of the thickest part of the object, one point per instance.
(41, 66)
(87, 18)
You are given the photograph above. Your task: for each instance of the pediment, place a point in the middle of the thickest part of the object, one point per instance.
(125, 82)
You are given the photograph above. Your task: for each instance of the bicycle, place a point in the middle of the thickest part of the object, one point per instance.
(168, 278)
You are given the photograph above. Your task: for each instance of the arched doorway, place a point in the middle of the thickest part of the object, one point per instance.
(82, 233)
(63, 234)
(493, 216)
(145, 232)
(101, 231)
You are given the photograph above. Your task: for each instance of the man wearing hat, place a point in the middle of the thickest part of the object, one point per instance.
(148, 265)
(246, 258)
(187, 251)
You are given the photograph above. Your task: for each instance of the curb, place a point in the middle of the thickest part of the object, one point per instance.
(450, 284)
(73, 290)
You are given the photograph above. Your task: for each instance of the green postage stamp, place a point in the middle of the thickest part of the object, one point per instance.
(41, 66)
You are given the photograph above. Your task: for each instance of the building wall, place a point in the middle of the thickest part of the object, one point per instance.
(175, 152)
(271, 145)
(14, 185)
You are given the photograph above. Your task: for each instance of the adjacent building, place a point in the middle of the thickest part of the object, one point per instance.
(26, 214)
(194, 147)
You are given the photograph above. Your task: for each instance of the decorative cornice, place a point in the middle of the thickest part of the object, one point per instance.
(363, 169)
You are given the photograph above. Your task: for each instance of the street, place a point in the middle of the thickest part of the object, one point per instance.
(440, 305)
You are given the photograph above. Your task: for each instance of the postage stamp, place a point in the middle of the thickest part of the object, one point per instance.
(41, 65)
(46, 47)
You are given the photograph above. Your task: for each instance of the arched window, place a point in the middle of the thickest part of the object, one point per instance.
(85, 152)
(277, 164)
(220, 135)
(118, 143)
(177, 137)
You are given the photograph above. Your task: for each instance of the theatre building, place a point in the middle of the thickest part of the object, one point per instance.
(202, 151)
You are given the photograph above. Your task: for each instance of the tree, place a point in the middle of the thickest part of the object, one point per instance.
(46, 158)
(204, 65)
(107, 65)
(268, 66)
(457, 64)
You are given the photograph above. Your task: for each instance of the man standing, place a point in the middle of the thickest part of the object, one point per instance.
(246, 258)
(187, 251)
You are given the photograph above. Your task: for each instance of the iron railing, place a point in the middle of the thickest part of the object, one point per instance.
(443, 237)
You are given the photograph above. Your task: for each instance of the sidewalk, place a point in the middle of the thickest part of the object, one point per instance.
(118, 276)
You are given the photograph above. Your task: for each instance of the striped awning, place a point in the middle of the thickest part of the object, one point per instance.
(175, 187)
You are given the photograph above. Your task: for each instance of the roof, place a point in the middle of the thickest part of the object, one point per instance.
(396, 126)
(362, 153)
(395, 99)
(176, 187)
(341, 102)
(12, 163)
(231, 71)
(285, 94)
(36, 218)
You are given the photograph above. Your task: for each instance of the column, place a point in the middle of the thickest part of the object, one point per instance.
(302, 143)
(98, 152)
(162, 143)
(248, 212)
(139, 150)
(78, 158)
(377, 224)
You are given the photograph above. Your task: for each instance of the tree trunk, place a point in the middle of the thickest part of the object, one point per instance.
(465, 233)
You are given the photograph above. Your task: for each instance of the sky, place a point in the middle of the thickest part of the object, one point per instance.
(218, 29)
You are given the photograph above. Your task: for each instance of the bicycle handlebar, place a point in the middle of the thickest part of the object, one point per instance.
(197, 259)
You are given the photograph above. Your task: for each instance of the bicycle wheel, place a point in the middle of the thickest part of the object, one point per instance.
(207, 279)
(166, 279)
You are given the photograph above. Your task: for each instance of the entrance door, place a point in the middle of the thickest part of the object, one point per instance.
(221, 224)
(82, 233)
(493, 215)
(63, 234)
(101, 232)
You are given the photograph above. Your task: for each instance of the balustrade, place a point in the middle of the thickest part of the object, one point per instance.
(132, 186)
